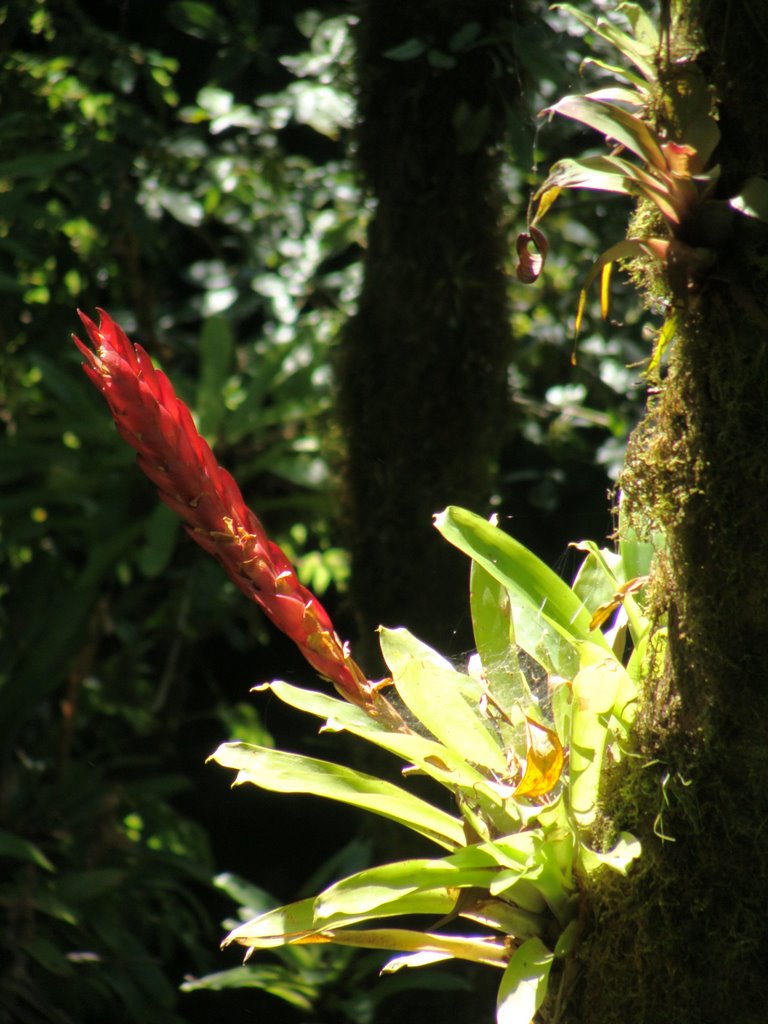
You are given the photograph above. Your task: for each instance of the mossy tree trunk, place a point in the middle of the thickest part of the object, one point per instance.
(683, 939)
(422, 368)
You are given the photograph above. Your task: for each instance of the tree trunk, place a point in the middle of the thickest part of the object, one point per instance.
(422, 370)
(683, 938)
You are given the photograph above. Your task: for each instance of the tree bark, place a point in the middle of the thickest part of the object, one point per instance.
(683, 938)
(422, 367)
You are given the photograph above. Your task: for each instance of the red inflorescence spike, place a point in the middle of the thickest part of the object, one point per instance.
(179, 461)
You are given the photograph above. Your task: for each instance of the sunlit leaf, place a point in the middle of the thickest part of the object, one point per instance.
(615, 123)
(663, 340)
(376, 887)
(433, 758)
(494, 630)
(448, 703)
(296, 921)
(620, 857)
(596, 689)
(524, 985)
(545, 197)
(479, 950)
(605, 281)
(549, 618)
(618, 72)
(640, 50)
(414, 960)
(282, 772)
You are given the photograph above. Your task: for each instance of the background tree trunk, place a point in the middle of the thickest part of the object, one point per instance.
(422, 371)
(683, 939)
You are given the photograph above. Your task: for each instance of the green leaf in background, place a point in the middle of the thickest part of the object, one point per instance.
(275, 979)
(217, 345)
(160, 541)
(524, 984)
(281, 772)
(18, 848)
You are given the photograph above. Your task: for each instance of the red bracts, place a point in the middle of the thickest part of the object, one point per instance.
(174, 456)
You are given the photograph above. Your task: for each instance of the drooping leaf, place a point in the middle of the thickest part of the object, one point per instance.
(275, 979)
(657, 248)
(616, 174)
(282, 772)
(616, 124)
(532, 247)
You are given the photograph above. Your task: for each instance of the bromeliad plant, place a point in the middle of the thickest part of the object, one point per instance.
(517, 741)
(660, 122)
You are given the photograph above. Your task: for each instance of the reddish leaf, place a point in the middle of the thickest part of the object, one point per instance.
(530, 263)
